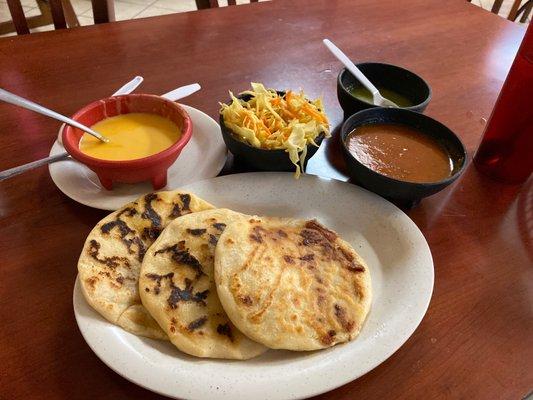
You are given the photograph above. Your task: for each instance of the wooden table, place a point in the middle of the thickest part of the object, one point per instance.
(476, 339)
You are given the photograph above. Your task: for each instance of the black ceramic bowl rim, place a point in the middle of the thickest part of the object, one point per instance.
(413, 107)
(318, 139)
(360, 114)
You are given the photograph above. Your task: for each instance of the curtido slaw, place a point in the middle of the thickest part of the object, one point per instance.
(272, 121)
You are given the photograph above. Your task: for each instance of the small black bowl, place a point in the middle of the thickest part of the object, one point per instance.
(388, 76)
(262, 159)
(407, 193)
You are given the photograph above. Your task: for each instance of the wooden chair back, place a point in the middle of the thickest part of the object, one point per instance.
(202, 4)
(20, 22)
(516, 9)
(103, 11)
(59, 12)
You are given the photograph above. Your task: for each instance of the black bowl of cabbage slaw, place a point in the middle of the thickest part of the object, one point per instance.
(260, 158)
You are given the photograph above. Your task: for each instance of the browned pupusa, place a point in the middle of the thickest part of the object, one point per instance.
(177, 288)
(111, 258)
(291, 284)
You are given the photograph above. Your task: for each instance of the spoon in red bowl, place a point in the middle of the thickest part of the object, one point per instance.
(16, 100)
(125, 89)
(173, 95)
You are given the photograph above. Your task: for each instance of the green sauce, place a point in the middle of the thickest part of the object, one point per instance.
(363, 94)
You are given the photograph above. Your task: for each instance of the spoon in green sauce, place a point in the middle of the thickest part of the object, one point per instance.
(377, 98)
(364, 94)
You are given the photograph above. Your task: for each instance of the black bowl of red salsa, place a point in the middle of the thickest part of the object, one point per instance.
(401, 155)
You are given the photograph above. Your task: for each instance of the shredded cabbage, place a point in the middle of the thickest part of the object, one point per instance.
(270, 121)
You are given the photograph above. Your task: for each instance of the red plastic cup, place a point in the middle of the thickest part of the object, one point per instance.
(506, 149)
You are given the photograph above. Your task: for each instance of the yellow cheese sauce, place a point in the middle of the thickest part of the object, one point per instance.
(131, 136)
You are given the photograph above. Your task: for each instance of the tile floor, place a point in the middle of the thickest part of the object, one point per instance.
(129, 9)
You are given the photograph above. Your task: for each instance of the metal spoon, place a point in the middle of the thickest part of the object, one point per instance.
(8, 173)
(12, 98)
(173, 95)
(125, 89)
(378, 99)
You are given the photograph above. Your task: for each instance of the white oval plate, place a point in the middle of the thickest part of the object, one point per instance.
(402, 281)
(203, 157)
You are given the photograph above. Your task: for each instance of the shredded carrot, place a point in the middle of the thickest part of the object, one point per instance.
(290, 114)
(313, 113)
(264, 126)
(288, 99)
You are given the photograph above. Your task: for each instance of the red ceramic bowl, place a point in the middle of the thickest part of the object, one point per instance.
(153, 168)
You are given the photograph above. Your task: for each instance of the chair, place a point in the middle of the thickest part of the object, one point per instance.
(202, 4)
(103, 11)
(516, 10)
(59, 12)
(525, 9)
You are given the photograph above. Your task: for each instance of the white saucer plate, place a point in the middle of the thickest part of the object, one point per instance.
(203, 157)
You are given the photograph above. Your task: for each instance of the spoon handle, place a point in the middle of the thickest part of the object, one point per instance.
(182, 92)
(343, 58)
(8, 173)
(12, 98)
(129, 87)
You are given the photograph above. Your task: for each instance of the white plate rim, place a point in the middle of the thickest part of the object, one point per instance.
(339, 381)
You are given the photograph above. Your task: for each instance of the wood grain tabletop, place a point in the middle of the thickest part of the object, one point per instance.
(476, 339)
